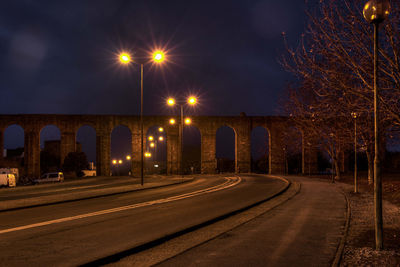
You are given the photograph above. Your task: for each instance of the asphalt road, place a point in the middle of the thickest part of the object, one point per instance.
(304, 231)
(80, 232)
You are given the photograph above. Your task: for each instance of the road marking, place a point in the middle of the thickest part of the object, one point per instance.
(230, 182)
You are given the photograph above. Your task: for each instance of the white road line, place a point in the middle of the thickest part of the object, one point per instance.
(230, 182)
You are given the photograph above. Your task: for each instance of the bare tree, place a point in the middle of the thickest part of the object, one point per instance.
(335, 70)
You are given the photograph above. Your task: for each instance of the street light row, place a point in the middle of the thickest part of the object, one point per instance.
(158, 56)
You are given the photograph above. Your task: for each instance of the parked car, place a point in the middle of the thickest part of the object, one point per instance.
(7, 179)
(50, 177)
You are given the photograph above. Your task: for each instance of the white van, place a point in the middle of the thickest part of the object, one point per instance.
(8, 179)
(10, 170)
(50, 177)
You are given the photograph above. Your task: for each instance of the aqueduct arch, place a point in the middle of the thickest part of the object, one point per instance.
(104, 124)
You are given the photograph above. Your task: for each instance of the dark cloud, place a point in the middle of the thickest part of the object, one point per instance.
(58, 56)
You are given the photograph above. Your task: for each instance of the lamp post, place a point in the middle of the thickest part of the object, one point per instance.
(117, 163)
(171, 102)
(355, 154)
(332, 157)
(125, 58)
(375, 12)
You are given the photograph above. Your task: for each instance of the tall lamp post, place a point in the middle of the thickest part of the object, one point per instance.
(375, 12)
(354, 115)
(125, 58)
(190, 101)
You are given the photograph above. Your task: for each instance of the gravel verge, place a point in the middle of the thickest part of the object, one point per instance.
(360, 242)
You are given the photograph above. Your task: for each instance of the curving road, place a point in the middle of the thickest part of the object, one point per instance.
(304, 231)
(83, 231)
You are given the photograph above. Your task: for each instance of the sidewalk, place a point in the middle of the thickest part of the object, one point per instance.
(51, 193)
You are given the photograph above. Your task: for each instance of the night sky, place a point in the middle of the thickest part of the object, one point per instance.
(61, 56)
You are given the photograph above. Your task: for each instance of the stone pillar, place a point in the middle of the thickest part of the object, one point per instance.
(68, 144)
(173, 152)
(276, 153)
(32, 153)
(243, 149)
(136, 153)
(309, 155)
(1, 144)
(208, 150)
(103, 153)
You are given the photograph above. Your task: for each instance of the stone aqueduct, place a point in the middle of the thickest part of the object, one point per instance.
(104, 124)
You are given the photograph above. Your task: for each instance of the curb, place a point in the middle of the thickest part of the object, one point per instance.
(340, 249)
(155, 247)
(42, 201)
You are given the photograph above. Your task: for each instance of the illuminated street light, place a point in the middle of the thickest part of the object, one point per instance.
(151, 138)
(171, 102)
(160, 138)
(125, 58)
(192, 100)
(152, 145)
(117, 163)
(158, 56)
(161, 129)
(128, 157)
(147, 154)
(375, 12)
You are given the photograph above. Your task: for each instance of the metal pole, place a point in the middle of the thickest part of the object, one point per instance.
(377, 174)
(355, 156)
(333, 175)
(181, 134)
(141, 125)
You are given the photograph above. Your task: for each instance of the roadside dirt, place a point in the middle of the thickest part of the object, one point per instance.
(359, 248)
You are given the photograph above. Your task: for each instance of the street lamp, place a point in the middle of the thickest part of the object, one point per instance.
(354, 115)
(117, 163)
(154, 141)
(171, 102)
(125, 58)
(332, 157)
(375, 12)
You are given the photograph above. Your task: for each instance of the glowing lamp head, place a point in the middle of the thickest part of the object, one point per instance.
(120, 161)
(172, 121)
(161, 129)
(376, 11)
(147, 154)
(128, 157)
(188, 121)
(354, 115)
(152, 145)
(114, 161)
(171, 101)
(151, 138)
(160, 138)
(158, 56)
(124, 58)
(192, 100)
